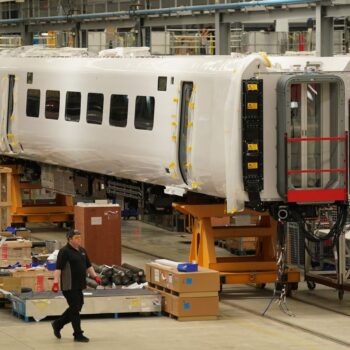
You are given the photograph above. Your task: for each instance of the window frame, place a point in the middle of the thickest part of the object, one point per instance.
(59, 101)
(65, 107)
(37, 107)
(116, 124)
(98, 121)
(138, 121)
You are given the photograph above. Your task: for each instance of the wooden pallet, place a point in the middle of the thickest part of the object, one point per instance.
(190, 318)
(126, 301)
(82, 316)
(155, 287)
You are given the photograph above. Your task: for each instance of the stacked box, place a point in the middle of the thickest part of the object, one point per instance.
(186, 295)
(9, 284)
(16, 249)
(39, 280)
(241, 245)
(13, 261)
(12, 252)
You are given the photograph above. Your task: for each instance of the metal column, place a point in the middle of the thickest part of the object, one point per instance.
(222, 35)
(324, 32)
(27, 37)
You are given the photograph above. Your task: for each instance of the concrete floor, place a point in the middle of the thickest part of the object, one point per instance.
(240, 325)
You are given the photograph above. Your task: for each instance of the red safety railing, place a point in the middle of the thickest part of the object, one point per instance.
(318, 194)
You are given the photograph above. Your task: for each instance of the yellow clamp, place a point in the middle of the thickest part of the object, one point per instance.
(188, 165)
(174, 175)
(190, 124)
(173, 138)
(173, 116)
(10, 135)
(175, 99)
(189, 148)
(191, 105)
(171, 165)
(173, 123)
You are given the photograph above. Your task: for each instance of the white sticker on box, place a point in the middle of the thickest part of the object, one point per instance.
(96, 220)
(156, 275)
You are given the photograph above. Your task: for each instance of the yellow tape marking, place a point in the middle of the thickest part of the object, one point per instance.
(253, 165)
(253, 147)
(252, 105)
(252, 87)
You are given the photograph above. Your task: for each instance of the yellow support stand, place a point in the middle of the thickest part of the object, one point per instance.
(60, 211)
(259, 268)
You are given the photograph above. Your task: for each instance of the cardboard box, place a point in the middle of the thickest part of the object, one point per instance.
(10, 284)
(12, 261)
(187, 306)
(37, 280)
(16, 249)
(241, 244)
(204, 280)
(24, 233)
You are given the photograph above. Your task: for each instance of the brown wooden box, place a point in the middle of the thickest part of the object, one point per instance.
(99, 225)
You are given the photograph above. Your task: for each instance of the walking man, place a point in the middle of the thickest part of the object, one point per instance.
(71, 268)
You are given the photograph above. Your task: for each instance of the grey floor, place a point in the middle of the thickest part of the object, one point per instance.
(320, 320)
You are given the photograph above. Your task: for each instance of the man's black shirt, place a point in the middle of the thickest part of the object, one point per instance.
(73, 264)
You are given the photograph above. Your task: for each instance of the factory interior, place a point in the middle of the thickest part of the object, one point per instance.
(174, 174)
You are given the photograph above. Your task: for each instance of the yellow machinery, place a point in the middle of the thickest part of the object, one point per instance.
(59, 210)
(259, 269)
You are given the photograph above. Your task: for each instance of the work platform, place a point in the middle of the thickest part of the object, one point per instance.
(100, 301)
(259, 269)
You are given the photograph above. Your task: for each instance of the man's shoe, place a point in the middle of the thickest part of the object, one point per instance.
(56, 330)
(81, 339)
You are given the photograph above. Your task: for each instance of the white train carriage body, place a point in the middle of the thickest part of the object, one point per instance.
(174, 121)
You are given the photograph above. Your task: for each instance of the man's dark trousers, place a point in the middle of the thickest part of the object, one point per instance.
(75, 300)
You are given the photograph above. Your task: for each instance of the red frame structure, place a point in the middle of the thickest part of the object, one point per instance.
(318, 195)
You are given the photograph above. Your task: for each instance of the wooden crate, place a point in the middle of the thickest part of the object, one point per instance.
(100, 228)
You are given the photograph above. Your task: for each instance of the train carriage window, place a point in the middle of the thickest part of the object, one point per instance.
(52, 104)
(94, 108)
(73, 105)
(162, 82)
(144, 112)
(118, 114)
(33, 103)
